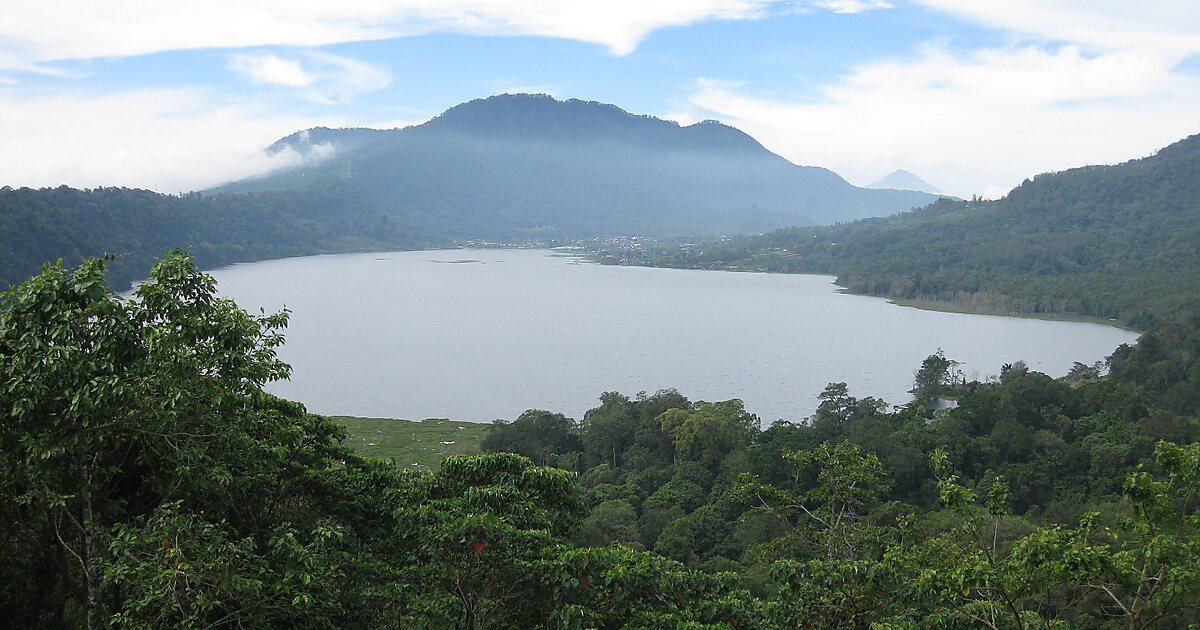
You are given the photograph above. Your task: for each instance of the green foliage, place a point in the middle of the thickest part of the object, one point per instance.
(480, 525)
(709, 432)
(617, 587)
(119, 411)
(148, 481)
(936, 374)
(134, 226)
(614, 520)
(539, 435)
(177, 569)
(1106, 242)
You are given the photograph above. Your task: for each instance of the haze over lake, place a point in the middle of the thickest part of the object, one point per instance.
(485, 334)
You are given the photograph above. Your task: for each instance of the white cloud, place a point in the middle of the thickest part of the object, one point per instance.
(683, 118)
(169, 140)
(340, 78)
(1169, 27)
(853, 6)
(975, 123)
(271, 70)
(36, 32)
(324, 78)
(1093, 82)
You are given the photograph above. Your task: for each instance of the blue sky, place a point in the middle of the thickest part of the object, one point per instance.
(972, 95)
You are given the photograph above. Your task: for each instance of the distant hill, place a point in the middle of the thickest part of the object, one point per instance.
(514, 166)
(1119, 242)
(903, 180)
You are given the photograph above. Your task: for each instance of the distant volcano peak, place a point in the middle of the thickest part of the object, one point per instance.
(901, 179)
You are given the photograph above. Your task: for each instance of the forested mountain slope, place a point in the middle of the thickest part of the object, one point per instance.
(38, 226)
(1119, 242)
(518, 165)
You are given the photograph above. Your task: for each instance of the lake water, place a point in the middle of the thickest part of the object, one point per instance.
(485, 334)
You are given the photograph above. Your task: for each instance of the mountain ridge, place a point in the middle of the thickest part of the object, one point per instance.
(501, 166)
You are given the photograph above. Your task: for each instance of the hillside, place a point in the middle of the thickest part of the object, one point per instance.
(1115, 242)
(513, 166)
(40, 226)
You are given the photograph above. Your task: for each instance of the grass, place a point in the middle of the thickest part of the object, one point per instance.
(412, 444)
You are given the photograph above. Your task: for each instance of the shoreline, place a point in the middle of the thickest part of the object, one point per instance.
(951, 307)
(940, 306)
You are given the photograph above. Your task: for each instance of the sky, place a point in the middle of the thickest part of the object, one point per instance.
(974, 96)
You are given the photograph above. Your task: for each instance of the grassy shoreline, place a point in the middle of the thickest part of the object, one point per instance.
(413, 444)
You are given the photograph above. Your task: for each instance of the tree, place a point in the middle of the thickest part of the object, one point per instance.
(936, 373)
(612, 521)
(539, 435)
(609, 429)
(617, 587)
(836, 582)
(708, 432)
(480, 525)
(128, 419)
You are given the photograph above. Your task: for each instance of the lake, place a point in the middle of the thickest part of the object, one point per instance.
(485, 334)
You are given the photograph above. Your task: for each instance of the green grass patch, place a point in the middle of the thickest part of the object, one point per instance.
(413, 444)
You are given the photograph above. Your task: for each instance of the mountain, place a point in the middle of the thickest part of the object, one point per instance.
(512, 166)
(1114, 242)
(901, 179)
(323, 141)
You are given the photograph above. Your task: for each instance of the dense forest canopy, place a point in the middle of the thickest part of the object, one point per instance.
(1112, 242)
(135, 226)
(150, 482)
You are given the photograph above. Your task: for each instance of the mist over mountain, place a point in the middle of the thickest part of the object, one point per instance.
(901, 179)
(519, 165)
(320, 142)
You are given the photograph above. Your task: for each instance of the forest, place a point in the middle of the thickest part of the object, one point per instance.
(133, 226)
(149, 481)
(1107, 242)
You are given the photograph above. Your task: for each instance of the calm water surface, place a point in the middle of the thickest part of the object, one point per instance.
(480, 335)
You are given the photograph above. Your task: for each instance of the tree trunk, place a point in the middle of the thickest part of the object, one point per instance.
(89, 544)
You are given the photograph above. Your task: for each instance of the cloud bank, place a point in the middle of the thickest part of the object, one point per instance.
(37, 32)
(1083, 83)
(166, 140)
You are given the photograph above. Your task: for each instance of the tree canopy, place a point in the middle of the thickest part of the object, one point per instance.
(148, 481)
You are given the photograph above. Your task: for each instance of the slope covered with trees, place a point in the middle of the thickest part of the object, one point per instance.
(148, 481)
(38, 226)
(1115, 242)
(515, 166)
